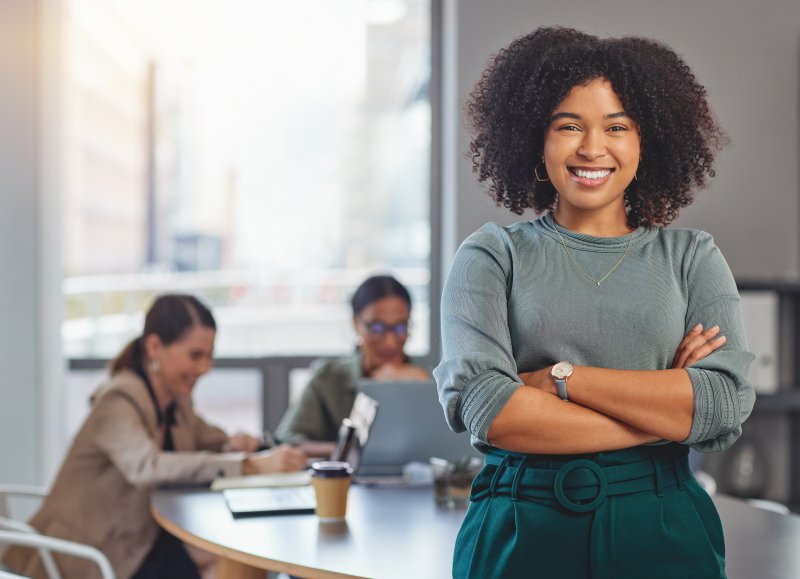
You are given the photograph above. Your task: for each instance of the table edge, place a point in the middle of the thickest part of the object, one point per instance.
(242, 557)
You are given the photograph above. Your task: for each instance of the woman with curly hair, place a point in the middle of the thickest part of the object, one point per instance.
(587, 350)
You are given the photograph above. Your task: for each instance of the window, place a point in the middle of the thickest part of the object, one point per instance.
(264, 156)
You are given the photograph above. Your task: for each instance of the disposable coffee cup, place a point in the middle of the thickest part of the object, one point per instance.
(331, 481)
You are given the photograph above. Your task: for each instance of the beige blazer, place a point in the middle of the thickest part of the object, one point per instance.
(101, 496)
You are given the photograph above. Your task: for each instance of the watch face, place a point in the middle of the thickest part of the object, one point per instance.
(561, 370)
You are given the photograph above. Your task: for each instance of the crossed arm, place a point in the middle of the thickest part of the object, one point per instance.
(608, 409)
(499, 313)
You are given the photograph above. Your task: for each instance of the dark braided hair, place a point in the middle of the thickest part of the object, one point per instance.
(510, 107)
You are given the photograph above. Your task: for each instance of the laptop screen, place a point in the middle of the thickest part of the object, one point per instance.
(410, 427)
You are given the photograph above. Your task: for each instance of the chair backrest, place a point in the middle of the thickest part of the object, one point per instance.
(8, 494)
(36, 541)
(46, 557)
(768, 505)
(706, 482)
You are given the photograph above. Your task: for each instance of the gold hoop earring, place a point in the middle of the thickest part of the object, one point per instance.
(536, 172)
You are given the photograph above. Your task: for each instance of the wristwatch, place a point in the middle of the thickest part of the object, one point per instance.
(561, 372)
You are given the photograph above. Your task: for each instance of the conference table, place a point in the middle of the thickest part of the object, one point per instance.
(399, 532)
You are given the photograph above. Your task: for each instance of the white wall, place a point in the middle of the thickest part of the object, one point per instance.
(747, 54)
(29, 235)
(18, 242)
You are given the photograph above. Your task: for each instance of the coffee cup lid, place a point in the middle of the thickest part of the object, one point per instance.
(331, 469)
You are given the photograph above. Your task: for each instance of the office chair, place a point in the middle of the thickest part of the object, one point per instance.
(43, 542)
(708, 484)
(48, 563)
(9, 523)
(769, 505)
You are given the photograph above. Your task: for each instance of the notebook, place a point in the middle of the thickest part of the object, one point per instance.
(270, 501)
(280, 479)
(409, 426)
(291, 493)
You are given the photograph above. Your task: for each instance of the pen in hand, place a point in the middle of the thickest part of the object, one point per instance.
(267, 441)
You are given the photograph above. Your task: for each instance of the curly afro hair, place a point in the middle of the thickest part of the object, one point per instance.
(510, 107)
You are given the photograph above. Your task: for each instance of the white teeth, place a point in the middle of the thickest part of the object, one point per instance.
(592, 174)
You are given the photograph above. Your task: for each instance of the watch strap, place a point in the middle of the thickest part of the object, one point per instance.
(561, 385)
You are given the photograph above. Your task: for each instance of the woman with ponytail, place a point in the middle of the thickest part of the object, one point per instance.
(142, 432)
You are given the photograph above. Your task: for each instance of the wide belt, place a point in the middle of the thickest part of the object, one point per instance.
(580, 485)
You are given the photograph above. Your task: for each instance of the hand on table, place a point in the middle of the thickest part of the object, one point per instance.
(241, 442)
(279, 459)
(317, 448)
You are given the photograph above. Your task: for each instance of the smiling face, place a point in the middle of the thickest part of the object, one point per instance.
(181, 362)
(591, 152)
(383, 329)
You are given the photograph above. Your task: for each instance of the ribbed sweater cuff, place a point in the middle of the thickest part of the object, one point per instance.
(716, 405)
(483, 398)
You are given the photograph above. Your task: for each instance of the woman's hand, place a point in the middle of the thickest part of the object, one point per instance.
(241, 442)
(400, 372)
(696, 345)
(540, 379)
(317, 448)
(280, 459)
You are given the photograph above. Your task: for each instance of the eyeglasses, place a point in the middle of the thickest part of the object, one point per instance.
(379, 329)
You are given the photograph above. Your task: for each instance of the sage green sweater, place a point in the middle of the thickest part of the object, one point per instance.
(326, 400)
(514, 302)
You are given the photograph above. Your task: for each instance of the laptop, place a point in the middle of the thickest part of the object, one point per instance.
(409, 426)
(299, 498)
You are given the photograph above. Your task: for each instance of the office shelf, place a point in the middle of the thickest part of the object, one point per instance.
(779, 286)
(786, 401)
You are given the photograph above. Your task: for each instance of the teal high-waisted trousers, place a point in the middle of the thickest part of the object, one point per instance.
(630, 514)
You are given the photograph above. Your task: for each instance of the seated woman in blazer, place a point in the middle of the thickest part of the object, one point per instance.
(142, 432)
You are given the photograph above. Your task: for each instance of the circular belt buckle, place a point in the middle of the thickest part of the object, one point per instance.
(569, 504)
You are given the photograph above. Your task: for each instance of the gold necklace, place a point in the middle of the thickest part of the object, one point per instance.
(580, 269)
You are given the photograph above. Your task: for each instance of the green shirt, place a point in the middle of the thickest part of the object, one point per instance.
(514, 302)
(325, 402)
